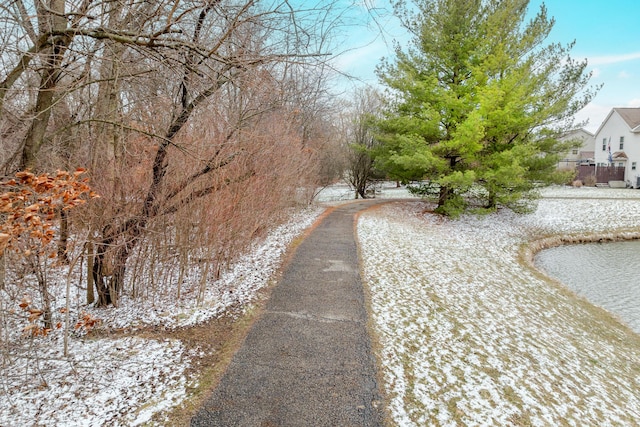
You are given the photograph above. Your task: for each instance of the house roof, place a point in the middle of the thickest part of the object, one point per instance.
(631, 116)
(575, 132)
(587, 154)
(619, 155)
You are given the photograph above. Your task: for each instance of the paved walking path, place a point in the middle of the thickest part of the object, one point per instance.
(307, 360)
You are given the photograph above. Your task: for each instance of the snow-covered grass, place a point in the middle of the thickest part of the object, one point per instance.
(125, 381)
(101, 382)
(469, 334)
(590, 192)
(237, 285)
(343, 192)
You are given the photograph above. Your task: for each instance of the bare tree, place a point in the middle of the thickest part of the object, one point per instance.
(359, 139)
(122, 87)
(203, 124)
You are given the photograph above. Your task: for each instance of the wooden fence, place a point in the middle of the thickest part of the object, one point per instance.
(603, 174)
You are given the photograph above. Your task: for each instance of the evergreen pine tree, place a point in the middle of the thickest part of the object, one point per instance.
(478, 102)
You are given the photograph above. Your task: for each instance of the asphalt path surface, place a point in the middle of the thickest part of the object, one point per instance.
(307, 360)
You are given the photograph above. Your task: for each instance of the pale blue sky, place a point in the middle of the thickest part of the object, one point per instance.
(607, 34)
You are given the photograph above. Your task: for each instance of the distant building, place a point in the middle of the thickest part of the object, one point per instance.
(618, 143)
(584, 154)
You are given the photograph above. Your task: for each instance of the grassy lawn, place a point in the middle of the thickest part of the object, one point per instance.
(470, 334)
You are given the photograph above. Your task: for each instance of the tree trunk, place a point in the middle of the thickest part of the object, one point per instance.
(46, 299)
(51, 20)
(35, 136)
(113, 251)
(90, 295)
(64, 237)
(492, 201)
(101, 276)
(110, 262)
(362, 190)
(444, 196)
(3, 270)
(107, 134)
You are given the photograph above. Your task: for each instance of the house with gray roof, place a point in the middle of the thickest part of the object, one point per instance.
(617, 143)
(582, 154)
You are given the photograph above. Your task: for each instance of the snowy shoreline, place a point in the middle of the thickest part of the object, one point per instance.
(470, 334)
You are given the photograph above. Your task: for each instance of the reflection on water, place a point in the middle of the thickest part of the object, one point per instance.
(607, 274)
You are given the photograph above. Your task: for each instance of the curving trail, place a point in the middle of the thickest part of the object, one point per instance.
(307, 361)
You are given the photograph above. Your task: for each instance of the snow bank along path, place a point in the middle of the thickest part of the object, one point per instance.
(125, 381)
(470, 335)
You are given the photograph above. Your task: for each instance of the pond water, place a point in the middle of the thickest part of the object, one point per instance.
(607, 274)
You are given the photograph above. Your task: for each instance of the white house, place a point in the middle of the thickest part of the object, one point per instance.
(618, 143)
(582, 154)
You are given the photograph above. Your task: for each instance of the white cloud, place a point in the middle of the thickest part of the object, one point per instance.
(362, 61)
(613, 59)
(595, 113)
(595, 73)
(623, 75)
(634, 103)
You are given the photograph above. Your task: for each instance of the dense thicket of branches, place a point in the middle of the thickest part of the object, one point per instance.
(199, 121)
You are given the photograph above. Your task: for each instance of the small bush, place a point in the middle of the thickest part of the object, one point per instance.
(589, 181)
(577, 183)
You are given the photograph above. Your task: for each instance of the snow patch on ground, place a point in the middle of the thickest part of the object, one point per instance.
(102, 382)
(125, 381)
(343, 192)
(237, 285)
(470, 336)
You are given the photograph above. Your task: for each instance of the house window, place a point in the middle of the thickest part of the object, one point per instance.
(621, 142)
(574, 152)
(604, 144)
(633, 166)
(621, 164)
